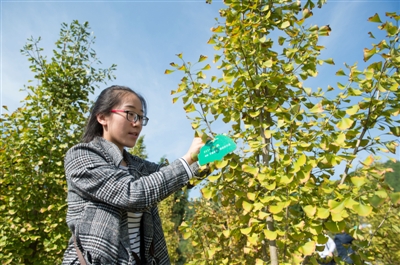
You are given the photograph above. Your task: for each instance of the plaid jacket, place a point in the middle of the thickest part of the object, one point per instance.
(100, 194)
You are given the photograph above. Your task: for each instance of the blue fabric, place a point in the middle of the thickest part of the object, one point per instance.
(343, 245)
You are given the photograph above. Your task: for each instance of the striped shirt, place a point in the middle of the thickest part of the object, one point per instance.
(135, 218)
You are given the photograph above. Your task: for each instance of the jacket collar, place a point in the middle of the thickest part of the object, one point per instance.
(111, 149)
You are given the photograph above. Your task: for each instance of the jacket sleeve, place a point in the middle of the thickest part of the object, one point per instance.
(91, 174)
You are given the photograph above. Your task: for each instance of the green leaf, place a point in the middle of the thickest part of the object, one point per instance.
(323, 213)
(362, 210)
(168, 71)
(353, 110)
(275, 209)
(270, 235)
(207, 67)
(395, 197)
(336, 207)
(247, 206)
(358, 181)
(344, 124)
(285, 24)
(369, 53)
(317, 108)
(218, 29)
(246, 231)
(249, 169)
(340, 73)
(228, 78)
(207, 193)
(308, 248)
(395, 130)
(310, 210)
(375, 18)
(186, 235)
(376, 201)
(202, 58)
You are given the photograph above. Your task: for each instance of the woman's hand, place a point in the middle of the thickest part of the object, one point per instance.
(191, 155)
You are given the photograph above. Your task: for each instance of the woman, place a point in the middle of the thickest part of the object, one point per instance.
(113, 195)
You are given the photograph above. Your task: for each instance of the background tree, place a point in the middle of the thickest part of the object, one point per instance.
(35, 139)
(392, 177)
(276, 192)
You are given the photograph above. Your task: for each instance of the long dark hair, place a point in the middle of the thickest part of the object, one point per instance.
(108, 98)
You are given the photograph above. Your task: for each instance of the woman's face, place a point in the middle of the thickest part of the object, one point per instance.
(116, 128)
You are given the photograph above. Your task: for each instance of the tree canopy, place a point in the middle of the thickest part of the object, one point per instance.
(35, 139)
(271, 200)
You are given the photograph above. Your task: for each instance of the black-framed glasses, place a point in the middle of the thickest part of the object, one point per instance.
(133, 116)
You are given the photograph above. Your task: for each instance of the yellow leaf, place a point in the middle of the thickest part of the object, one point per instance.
(310, 210)
(275, 209)
(353, 110)
(358, 181)
(317, 108)
(322, 213)
(362, 210)
(249, 169)
(202, 58)
(226, 233)
(336, 216)
(271, 235)
(285, 24)
(218, 29)
(344, 123)
(206, 192)
(369, 160)
(221, 164)
(207, 67)
(308, 248)
(247, 206)
(335, 207)
(186, 235)
(251, 196)
(246, 231)
(168, 71)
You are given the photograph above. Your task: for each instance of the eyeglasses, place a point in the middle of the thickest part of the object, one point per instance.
(132, 116)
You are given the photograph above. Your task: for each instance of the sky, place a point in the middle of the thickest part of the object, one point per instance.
(143, 37)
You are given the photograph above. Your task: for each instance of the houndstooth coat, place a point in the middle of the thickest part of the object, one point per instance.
(100, 194)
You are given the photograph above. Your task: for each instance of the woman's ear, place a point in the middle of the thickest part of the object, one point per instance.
(101, 118)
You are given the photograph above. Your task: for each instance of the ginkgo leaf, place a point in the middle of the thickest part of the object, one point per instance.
(202, 58)
(344, 124)
(206, 192)
(246, 231)
(275, 209)
(358, 181)
(323, 213)
(247, 206)
(249, 169)
(336, 207)
(362, 209)
(375, 18)
(308, 248)
(310, 210)
(317, 108)
(270, 235)
(336, 216)
(353, 110)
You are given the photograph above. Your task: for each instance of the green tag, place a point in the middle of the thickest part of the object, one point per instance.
(216, 149)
